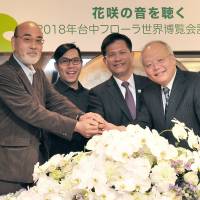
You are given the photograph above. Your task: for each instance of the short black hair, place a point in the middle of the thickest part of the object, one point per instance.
(112, 38)
(63, 48)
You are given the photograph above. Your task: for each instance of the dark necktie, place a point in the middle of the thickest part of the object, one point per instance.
(129, 100)
(166, 91)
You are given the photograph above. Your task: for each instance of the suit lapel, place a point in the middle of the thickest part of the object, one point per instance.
(155, 97)
(176, 95)
(116, 95)
(21, 75)
(138, 91)
(139, 86)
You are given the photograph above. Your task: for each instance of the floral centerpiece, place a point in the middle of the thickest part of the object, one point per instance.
(133, 164)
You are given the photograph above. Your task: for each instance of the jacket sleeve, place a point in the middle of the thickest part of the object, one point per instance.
(23, 104)
(144, 117)
(196, 89)
(95, 104)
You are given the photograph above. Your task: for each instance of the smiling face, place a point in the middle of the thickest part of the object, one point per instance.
(159, 63)
(27, 43)
(119, 59)
(69, 67)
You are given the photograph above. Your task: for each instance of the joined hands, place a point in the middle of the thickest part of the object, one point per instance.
(91, 124)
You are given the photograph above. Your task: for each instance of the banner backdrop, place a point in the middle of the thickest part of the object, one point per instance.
(87, 22)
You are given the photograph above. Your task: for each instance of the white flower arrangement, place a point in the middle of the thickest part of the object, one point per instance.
(133, 164)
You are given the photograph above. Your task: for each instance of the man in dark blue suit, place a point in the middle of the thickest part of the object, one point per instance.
(109, 98)
(172, 94)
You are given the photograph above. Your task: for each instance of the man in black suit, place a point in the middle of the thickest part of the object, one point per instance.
(108, 98)
(182, 101)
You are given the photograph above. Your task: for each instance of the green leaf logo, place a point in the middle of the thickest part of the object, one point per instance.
(7, 24)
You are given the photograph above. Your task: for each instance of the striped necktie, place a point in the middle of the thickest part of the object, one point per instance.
(166, 91)
(129, 100)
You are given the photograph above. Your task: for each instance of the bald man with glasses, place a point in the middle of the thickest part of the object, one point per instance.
(30, 106)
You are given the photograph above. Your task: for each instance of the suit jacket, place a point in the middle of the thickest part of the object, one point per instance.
(184, 104)
(107, 100)
(25, 110)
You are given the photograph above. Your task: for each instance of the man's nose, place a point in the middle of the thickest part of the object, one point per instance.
(156, 65)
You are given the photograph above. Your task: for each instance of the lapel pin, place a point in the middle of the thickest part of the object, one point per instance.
(139, 91)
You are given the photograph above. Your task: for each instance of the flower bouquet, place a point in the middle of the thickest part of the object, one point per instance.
(136, 164)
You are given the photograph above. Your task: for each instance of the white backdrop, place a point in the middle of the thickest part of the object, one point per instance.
(87, 22)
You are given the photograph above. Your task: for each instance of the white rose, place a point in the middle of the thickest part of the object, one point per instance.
(191, 178)
(179, 132)
(162, 176)
(193, 140)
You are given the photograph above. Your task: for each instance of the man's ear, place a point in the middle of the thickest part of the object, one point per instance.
(105, 60)
(174, 59)
(13, 42)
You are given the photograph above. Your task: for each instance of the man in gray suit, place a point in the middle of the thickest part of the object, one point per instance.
(172, 94)
(28, 106)
(109, 98)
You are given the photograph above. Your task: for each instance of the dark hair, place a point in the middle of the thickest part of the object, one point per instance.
(16, 31)
(63, 48)
(112, 38)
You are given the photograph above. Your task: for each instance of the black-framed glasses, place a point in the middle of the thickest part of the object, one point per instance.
(66, 61)
(30, 40)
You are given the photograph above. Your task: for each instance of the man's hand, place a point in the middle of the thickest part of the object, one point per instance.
(94, 116)
(91, 124)
(88, 127)
(109, 126)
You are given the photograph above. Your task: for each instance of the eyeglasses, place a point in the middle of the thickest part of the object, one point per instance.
(66, 61)
(30, 40)
(121, 53)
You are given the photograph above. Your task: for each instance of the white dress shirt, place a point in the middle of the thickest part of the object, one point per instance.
(131, 87)
(28, 71)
